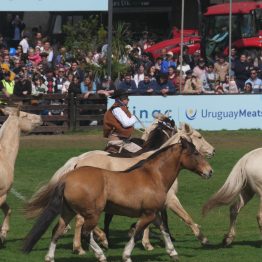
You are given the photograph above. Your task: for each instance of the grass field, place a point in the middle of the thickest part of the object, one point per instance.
(40, 156)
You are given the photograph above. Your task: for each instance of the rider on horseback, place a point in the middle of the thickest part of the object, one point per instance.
(118, 124)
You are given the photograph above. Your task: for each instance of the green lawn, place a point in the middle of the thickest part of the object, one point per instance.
(40, 156)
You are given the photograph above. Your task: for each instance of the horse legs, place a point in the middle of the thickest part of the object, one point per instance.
(7, 212)
(259, 216)
(107, 220)
(142, 223)
(168, 242)
(145, 240)
(58, 231)
(77, 246)
(246, 194)
(174, 204)
(90, 223)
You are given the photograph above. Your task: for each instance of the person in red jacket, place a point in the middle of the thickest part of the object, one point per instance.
(119, 123)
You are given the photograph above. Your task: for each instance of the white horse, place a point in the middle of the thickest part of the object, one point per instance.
(103, 160)
(243, 182)
(16, 122)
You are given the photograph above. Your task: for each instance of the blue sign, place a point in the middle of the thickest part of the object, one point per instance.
(206, 112)
(53, 5)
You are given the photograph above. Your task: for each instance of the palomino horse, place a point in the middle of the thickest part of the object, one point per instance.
(120, 164)
(140, 191)
(243, 182)
(16, 122)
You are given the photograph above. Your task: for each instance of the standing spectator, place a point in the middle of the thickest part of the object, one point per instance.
(139, 76)
(192, 84)
(233, 58)
(158, 63)
(255, 81)
(25, 45)
(76, 71)
(22, 87)
(147, 86)
(200, 71)
(169, 61)
(195, 59)
(34, 55)
(128, 84)
(164, 86)
(221, 68)
(17, 27)
(17, 66)
(241, 70)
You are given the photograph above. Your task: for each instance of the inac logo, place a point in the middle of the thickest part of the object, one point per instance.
(191, 114)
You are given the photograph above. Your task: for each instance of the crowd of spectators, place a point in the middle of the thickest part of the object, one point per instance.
(32, 65)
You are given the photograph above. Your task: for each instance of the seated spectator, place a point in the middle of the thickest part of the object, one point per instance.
(7, 85)
(152, 72)
(164, 86)
(211, 77)
(87, 87)
(106, 87)
(172, 75)
(5, 69)
(16, 66)
(67, 83)
(158, 63)
(193, 84)
(255, 81)
(60, 80)
(230, 86)
(34, 56)
(128, 84)
(74, 87)
(38, 86)
(50, 82)
(182, 65)
(139, 76)
(23, 86)
(167, 62)
(147, 86)
(248, 88)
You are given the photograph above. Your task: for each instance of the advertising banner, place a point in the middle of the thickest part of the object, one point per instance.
(206, 112)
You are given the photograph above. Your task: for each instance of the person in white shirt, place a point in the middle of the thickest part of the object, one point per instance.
(24, 43)
(118, 124)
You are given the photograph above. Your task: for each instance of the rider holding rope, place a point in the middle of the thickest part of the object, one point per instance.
(119, 123)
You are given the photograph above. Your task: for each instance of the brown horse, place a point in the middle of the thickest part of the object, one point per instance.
(140, 191)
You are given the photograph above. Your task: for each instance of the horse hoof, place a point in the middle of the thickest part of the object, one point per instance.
(227, 241)
(104, 244)
(79, 251)
(148, 246)
(49, 259)
(204, 242)
(175, 258)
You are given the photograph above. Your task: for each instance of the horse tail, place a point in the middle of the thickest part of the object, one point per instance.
(39, 201)
(231, 188)
(54, 195)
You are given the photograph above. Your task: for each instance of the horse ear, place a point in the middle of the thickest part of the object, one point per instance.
(18, 110)
(187, 128)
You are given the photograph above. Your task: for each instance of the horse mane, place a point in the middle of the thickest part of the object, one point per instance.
(144, 161)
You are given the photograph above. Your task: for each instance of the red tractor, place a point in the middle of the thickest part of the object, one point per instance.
(246, 31)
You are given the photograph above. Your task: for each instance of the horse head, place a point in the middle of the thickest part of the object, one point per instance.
(197, 139)
(192, 160)
(27, 121)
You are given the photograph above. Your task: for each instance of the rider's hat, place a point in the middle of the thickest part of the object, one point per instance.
(120, 94)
